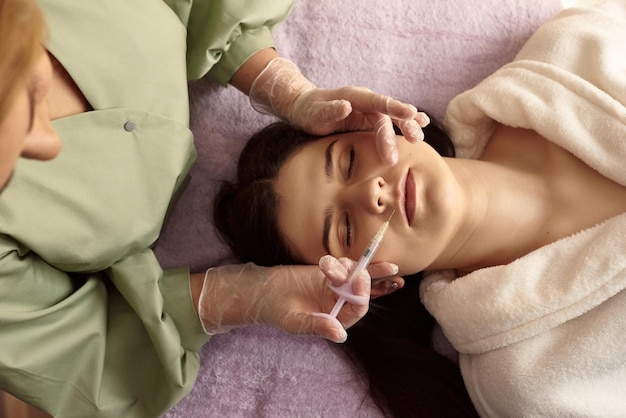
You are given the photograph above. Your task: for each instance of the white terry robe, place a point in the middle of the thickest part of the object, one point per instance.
(546, 334)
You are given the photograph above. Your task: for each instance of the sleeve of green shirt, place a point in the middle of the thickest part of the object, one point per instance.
(79, 345)
(223, 34)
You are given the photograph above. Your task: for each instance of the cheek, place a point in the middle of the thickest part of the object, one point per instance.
(391, 249)
(13, 132)
(411, 255)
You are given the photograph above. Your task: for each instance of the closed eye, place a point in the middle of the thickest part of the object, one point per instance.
(351, 162)
(348, 232)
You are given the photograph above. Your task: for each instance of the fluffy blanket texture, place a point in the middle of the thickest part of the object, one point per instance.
(418, 51)
(546, 334)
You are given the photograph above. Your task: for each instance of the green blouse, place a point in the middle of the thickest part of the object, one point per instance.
(90, 324)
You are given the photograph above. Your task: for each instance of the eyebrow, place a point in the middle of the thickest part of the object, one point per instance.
(329, 159)
(328, 213)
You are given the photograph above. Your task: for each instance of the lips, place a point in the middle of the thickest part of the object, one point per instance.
(409, 197)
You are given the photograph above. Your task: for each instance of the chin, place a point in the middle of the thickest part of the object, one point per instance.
(6, 182)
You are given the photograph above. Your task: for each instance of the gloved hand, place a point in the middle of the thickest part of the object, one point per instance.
(287, 297)
(281, 90)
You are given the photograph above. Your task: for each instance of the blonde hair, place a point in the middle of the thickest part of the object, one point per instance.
(22, 31)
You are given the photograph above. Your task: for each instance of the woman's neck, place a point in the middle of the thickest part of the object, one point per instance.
(523, 193)
(64, 97)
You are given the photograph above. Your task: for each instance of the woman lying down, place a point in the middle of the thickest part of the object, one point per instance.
(521, 238)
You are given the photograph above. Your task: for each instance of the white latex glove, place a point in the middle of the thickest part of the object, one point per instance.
(286, 297)
(281, 90)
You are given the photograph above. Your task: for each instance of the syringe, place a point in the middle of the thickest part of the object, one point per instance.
(362, 264)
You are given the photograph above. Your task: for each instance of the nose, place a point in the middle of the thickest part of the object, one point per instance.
(42, 146)
(373, 195)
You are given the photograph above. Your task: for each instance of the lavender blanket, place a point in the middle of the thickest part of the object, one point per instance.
(422, 52)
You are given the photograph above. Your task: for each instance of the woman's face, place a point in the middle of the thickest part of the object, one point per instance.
(335, 193)
(27, 130)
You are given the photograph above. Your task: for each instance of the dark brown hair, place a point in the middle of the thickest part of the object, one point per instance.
(245, 211)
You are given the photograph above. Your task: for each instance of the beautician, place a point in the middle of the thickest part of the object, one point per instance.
(89, 322)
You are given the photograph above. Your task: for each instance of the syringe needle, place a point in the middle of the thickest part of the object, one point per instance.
(363, 262)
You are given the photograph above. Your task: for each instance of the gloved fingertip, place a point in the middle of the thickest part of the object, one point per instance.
(412, 131)
(423, 119)
(337, 111)
(391, 156)
(388, 152)
(337, 334)
(326, 260)
(344, 108)
(338, 337)
(334, 111)
(332, 267)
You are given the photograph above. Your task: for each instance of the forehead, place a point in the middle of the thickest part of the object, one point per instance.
(301, 187)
